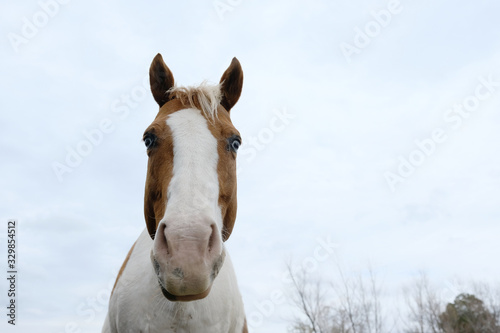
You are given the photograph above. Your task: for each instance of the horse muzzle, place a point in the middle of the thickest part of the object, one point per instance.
(187, 260)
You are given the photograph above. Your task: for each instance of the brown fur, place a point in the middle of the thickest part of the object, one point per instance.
(231, 82)
(122, 268)
(160, 165)
(161, 80)
(245, 327)
(226, 169)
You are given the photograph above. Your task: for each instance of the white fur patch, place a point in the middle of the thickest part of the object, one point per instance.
(194, 187)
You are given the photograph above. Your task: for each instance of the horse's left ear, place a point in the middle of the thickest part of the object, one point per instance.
(161, 80)
(231, 84)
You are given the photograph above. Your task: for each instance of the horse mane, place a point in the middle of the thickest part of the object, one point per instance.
(205, 97)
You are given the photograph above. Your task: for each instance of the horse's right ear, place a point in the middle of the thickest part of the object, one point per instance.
(231, 85)
(161, 80)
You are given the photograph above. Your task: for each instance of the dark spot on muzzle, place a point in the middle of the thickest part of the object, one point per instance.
(178, 273)
(156, 266)
(217, 266)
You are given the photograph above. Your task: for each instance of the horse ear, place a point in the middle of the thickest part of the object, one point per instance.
(161, 80)
(231, 84)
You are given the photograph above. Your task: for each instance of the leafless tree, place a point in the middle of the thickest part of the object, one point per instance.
(350, 305)
(308, 297)
(424, 306)
(490, 296)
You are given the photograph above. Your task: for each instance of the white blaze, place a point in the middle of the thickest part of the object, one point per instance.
(193, 192)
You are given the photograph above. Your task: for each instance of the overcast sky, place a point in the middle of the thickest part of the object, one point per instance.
(370, 135)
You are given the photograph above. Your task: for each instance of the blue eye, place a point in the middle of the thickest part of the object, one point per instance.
(149, 140)
(234, 143)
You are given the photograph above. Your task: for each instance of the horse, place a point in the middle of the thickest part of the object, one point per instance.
(178, 276)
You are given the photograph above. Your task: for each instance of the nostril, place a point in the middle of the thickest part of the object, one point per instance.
(166, 239)
(212, 238)
(162, 238)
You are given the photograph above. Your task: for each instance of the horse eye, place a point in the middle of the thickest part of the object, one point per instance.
(234, 143)
(149, 141)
